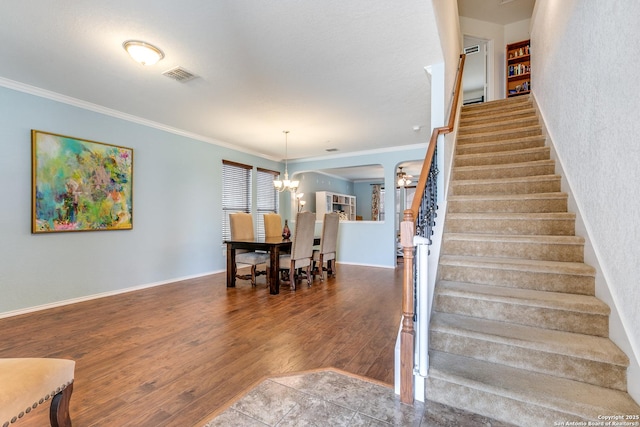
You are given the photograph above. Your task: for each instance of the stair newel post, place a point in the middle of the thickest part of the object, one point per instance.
(407, 334)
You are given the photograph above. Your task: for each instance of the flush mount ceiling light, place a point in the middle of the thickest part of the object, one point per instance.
(143, 52)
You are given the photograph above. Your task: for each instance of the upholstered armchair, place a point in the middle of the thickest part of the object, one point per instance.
(301, 248)
(26, 383)
(242, 229)
(326, 252)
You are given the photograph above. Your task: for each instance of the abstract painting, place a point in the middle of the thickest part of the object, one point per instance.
(80, 185)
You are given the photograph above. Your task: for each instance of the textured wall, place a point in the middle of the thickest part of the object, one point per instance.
(584, 66)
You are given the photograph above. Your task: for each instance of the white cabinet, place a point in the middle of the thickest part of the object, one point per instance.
(327, 201)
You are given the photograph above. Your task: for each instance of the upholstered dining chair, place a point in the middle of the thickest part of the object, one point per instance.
(242, 229)
(26, 383)
(301, 248)
(272, 225)
(326, 252)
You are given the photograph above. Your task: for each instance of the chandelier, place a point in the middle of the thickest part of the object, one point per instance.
(286, 184)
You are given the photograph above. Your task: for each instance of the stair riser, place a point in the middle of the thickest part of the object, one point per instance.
(503, 158)
(501, 146)
(496, 125)
(493, 172)
(510, 205)
(515, 226)
(560, 365)
(492, 405)
(466, 187)
(503, 136)
(543, 317)
(522, 279)
(524, 250)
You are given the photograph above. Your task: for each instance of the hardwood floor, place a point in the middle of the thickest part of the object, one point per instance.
(171, 355)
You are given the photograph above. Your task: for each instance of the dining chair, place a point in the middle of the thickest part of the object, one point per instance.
(242, 229)
(301, 249)
(272, 225)
(326, 252)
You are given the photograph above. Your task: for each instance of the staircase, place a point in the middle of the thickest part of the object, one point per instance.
(517, 333)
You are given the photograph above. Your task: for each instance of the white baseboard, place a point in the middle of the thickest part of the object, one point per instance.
(100, 295)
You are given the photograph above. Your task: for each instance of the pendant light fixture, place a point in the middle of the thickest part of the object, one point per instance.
(286, 184)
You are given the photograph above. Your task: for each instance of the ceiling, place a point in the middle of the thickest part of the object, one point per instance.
(497, 11)
(337, 74)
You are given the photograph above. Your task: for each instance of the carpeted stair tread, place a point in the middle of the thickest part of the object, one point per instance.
(543, 396)
(502, 157)
(518, 184)
(573, 302)
(490, 114)
(535, 266)
(586, 358)
(493, 146)
(496, 105)
(522, 111)
(552, 276)
(499, 135)
(553, 310)
(531, 168)
(508, 238)
(526, 203)
(552, 248)
(588, 347)
(544, 223)
(497, 125)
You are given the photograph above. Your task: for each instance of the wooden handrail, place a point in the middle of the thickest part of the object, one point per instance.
(422, 181)
(407, 231)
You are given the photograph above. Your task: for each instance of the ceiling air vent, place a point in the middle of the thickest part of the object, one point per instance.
(472, 49)
(179, 74)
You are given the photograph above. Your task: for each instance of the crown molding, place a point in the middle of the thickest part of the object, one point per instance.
(75, 102)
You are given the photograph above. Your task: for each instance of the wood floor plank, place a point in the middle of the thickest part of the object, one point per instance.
(170, 355)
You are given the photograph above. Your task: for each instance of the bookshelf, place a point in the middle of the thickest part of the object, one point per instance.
(327, 201)
(518, 68)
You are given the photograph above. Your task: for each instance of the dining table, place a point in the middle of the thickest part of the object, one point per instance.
(274, 245)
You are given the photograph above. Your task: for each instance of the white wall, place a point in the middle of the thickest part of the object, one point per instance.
(584, 83)
(517, 31)
(498, 36)
(494, 33)
(450, 39)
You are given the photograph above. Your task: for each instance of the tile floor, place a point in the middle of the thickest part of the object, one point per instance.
(332, 398)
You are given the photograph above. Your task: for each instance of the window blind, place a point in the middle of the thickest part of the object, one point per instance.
(267, 200)
(236, 192)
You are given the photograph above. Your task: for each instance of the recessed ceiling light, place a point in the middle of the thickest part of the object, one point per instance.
(143, 52)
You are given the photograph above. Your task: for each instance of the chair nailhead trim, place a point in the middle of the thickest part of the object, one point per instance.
(35, 405)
